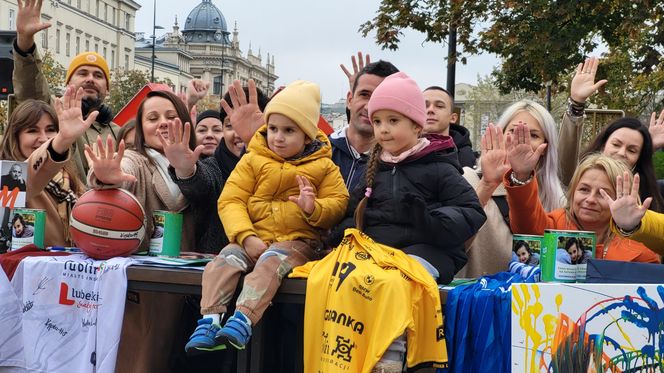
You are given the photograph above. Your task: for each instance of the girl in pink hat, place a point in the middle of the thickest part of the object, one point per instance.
(414, 197)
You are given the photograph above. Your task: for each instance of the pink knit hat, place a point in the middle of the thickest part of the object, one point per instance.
(400, 93)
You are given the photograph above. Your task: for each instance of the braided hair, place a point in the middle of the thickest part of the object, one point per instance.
(372, 167)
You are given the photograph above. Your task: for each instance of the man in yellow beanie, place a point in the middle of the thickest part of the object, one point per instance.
(88, 70)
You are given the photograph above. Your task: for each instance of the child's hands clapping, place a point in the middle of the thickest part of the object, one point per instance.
(305, 201)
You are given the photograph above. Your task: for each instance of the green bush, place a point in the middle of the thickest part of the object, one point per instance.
(658, 162)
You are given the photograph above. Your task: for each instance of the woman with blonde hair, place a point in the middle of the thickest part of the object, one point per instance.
(586, 208)
(491, 249)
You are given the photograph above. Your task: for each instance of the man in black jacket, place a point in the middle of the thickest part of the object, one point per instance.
(351, 144)
(441, 119)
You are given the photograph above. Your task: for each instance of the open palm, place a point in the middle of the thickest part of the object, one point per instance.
(176, 148)
(494, 156)
(520, 153)
(246, 117)
(626, 210)
(106, 164)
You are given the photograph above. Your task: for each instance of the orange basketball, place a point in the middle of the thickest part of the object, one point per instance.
(107, 223)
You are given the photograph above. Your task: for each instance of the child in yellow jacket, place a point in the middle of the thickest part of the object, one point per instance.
(279, 198)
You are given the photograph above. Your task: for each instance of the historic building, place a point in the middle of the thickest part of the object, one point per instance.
(203, 49)
(103, 26)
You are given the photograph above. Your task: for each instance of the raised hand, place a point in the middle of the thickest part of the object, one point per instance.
(176, 148)
(28, 23)
(197, 89)
(521, 156)
(656, 130)
(106, 164)
(625, 209)
(70, 118)
(356, 68)
(494, 156)
(583, 84)
(305, 201)
(246, 117)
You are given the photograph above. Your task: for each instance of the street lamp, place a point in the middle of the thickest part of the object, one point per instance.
(154, 28)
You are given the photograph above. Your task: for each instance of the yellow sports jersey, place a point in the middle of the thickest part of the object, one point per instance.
(360, 298)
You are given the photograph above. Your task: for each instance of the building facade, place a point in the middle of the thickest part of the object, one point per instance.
(103, 26)
(203, 49)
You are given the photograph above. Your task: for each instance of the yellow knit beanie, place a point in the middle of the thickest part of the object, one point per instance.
(91, 59)
(299, 101)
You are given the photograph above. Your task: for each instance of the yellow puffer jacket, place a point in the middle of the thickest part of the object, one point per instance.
(254, 200)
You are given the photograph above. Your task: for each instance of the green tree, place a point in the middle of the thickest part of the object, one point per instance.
(53, 71)
(125, 84)
(542, 41)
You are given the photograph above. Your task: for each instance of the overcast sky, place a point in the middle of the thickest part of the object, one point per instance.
(309, 40)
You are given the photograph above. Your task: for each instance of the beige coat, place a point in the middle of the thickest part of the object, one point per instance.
(41, 169)
(569, 146)
(490, 251)
(29, 82)
(152, 192)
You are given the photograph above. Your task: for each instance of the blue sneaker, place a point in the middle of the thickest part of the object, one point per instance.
(203, 338)
(237, 331)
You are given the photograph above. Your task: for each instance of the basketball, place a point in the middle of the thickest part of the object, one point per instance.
(107, 223)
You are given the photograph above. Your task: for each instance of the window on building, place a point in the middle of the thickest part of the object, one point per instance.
(127, 21)
(97, 9)
(126, 62)
(67, 44)
(44, 36)
(216, 86)
(78, 45)
(112, 59)
(78, 4)
(104, 53)
(87, 45)
(12, 19)
(96, 47)
(57, 41)
(106, 12)
(113, 17)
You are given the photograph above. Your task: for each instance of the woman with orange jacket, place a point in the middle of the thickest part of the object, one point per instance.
(586, 209)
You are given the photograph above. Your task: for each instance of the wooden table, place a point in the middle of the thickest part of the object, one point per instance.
(188, 282)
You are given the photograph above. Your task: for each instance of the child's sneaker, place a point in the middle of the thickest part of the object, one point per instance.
(203, 338)
(237, 331)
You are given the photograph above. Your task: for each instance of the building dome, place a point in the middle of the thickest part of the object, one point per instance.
(206, 24)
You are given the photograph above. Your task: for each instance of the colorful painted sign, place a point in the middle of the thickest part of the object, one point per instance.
(587, 328)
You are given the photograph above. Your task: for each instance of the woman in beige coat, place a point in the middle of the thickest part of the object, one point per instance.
(43, 136)
(150, 324)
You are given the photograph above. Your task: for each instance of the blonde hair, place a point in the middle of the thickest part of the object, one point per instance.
(550, 190)
(595, 161)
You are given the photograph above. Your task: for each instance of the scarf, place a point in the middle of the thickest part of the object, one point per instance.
(59, 188)
(386, 157)
(162, 166)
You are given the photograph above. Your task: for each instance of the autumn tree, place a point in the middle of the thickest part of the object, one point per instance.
(541, 41)
(125, 84)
